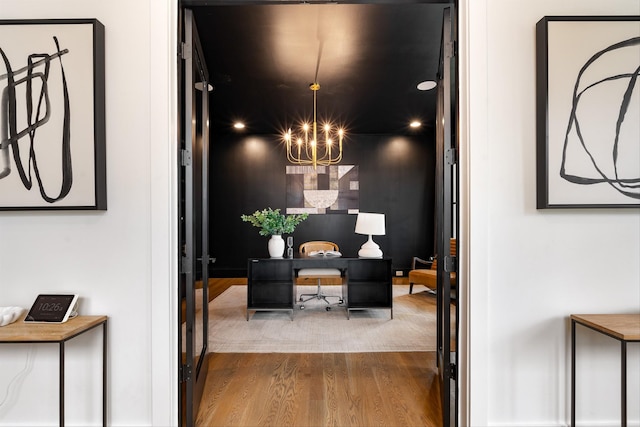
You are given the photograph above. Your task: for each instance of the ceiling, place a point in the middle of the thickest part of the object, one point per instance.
(368, 59)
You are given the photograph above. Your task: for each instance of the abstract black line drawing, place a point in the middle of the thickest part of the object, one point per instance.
(587, 107)
(9, 134)
(621, 182)
(52, 130)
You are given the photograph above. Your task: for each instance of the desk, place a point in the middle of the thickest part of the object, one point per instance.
(271, 282)
(622, 327)
(24, 333)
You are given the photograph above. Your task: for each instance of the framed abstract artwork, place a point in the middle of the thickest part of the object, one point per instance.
(588, 110)
(52, 115)
(331, 189)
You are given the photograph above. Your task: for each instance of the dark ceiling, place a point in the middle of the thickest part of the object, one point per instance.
(368, 59)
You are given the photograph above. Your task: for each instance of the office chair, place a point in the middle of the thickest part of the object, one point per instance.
(319, 273)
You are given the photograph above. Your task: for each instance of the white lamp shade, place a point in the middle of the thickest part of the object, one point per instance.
(371, 224)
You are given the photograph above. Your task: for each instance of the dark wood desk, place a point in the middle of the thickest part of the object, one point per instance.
(622, 327)
(59, 333)
(271, 282)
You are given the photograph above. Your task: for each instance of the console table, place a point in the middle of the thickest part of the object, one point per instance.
(59, 333)
(622, 327)
(271, 282)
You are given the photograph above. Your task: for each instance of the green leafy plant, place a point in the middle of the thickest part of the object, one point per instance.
(271, 221)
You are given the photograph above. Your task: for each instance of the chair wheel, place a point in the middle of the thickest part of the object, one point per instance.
(328, 308)
(302, 307)
(341, 301)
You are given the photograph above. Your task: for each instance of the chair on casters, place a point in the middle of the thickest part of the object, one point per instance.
(319, 273)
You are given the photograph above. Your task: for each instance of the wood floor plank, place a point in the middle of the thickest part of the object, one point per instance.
(362, 376)
(305, 407)
(351, 405)
(406, 395)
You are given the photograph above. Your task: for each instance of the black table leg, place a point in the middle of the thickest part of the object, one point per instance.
(623, 380)
(573, 373)
(61, 391)
(104, 374)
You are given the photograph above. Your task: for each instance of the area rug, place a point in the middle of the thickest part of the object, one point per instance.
(315, 330)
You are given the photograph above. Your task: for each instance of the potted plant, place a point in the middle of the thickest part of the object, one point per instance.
(272, 223)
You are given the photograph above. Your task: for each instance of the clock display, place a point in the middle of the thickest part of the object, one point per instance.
(51, 308)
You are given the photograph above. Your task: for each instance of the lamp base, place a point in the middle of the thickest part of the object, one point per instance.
(370, 249)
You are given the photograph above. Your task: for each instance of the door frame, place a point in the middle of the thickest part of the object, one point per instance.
(164, 226)
(446, 217)
(193, 161)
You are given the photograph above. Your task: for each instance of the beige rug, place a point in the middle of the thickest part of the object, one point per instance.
(315, 330)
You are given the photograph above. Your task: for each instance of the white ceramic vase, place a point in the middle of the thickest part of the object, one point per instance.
(276, 246)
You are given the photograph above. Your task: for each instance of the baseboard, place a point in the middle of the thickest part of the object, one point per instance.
(581, 423)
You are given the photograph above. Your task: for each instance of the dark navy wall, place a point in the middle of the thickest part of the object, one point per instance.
(396, 176)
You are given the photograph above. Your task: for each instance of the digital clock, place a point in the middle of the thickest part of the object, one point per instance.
(52, 308)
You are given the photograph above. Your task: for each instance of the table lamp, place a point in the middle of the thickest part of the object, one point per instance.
(370, 224)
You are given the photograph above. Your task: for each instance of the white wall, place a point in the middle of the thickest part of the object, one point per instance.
(119, 261)
(530, 269)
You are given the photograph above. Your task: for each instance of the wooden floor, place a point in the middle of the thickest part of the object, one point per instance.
(319, 389)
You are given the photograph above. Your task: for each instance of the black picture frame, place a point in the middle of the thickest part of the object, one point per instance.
(587, 94)
(52, 115)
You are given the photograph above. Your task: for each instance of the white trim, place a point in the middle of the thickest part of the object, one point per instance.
(163, 119)
(474, 211)
(163, 130)
(613, 423)
(464, 415)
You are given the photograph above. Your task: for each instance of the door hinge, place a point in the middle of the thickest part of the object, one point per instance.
(185, 157)
(185, 265)
(206, 260)
(453, 371)
(450, 264)
(449, 49)
(185, 373)
(451, 156)
(185, 50)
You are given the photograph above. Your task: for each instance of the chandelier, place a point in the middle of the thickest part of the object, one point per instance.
(305, 148)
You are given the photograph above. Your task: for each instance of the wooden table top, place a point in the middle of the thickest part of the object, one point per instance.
(622, 326)
(20, 332)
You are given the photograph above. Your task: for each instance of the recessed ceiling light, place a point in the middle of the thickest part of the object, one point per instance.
(415, 124)
(427, 85)
(238, 125)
